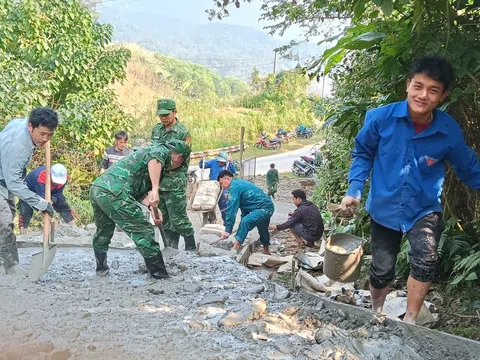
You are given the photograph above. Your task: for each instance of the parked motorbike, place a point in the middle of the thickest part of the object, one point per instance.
(273, 144)
(284, 136)
(314, 159)
(304, 132)
(302, 168)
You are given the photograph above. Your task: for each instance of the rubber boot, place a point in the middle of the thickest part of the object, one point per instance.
(156, 267)
(102, 267)
(190, 244)
(172, 239)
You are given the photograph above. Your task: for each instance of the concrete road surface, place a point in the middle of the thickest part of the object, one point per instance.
(283, 162)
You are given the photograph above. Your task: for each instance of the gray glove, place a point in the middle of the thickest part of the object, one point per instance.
(49, 210)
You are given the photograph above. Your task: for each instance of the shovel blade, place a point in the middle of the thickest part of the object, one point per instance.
(40, 263)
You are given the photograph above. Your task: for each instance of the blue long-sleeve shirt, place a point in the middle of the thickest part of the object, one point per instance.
(215, 168)
(244, 195)
(408, 169)
(15, 154)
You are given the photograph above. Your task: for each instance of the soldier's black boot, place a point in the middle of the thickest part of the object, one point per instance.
(102, 267)
(156, 267)
(190, 243)
(172, 239)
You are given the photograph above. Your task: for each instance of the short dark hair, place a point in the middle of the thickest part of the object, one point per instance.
(272, 166)
(435, 67)
(121, 135)
(299, 193)
(224, 173)
(43, 116)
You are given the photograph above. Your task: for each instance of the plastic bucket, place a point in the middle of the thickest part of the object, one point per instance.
(343, 255)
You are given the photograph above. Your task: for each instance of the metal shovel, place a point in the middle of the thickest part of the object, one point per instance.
(42, 260)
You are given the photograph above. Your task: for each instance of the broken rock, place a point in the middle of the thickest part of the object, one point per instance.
(212, 300)
(281, 293)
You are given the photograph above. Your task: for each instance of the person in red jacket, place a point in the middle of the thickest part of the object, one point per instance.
(35, 182)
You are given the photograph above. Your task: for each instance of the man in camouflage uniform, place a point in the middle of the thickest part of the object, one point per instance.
(115, 197)
(173, 198)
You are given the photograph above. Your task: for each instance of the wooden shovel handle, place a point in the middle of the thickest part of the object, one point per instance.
(48, 195)
(156, 212)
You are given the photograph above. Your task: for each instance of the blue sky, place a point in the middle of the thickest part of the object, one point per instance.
(194, 11)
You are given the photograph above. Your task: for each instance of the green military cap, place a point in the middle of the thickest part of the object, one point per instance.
(180, 147)
(165, 106)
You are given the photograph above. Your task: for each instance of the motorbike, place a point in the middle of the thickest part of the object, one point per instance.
(314, 159)
(304, 132)
(284, 136)
(302, 168)
(273, 144)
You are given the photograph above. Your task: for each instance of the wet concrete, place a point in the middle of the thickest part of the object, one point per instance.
(207, 310)
(211, 308)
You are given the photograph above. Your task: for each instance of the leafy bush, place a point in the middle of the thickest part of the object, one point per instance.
(78, 200)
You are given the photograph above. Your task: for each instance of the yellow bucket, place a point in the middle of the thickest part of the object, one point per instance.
(343, 255)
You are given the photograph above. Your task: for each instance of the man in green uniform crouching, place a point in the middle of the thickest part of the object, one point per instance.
(173, 198)
(116, 194)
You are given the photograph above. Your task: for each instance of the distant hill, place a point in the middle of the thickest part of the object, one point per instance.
(230, 50)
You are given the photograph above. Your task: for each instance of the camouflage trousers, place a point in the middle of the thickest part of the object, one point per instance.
(173, 205)
(8, 240)
(123, 210)
(272, 190)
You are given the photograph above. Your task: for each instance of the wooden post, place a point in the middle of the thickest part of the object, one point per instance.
(242, 135)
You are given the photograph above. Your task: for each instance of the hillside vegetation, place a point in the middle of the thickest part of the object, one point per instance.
(212, 107)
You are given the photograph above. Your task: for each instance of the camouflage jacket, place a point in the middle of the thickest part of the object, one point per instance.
(130, 175)
(173, 179)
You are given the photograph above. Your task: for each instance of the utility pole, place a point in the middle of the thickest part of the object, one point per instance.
(275, 63)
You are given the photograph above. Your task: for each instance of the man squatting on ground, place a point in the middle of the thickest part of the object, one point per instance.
(405, 145)
(35, 181)
(173, 196)
(114, 154)
(115, 195)
(305, 223)
(18, 140)
(256, 210)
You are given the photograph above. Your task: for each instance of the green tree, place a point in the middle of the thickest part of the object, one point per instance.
(369, 59)
(54, 53)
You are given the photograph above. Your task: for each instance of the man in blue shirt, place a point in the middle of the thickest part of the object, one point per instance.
(19, 139)
(256, 207)
(221, 162)
(405, 146)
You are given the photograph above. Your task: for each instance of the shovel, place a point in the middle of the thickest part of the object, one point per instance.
(42, 260)
(156, 215)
